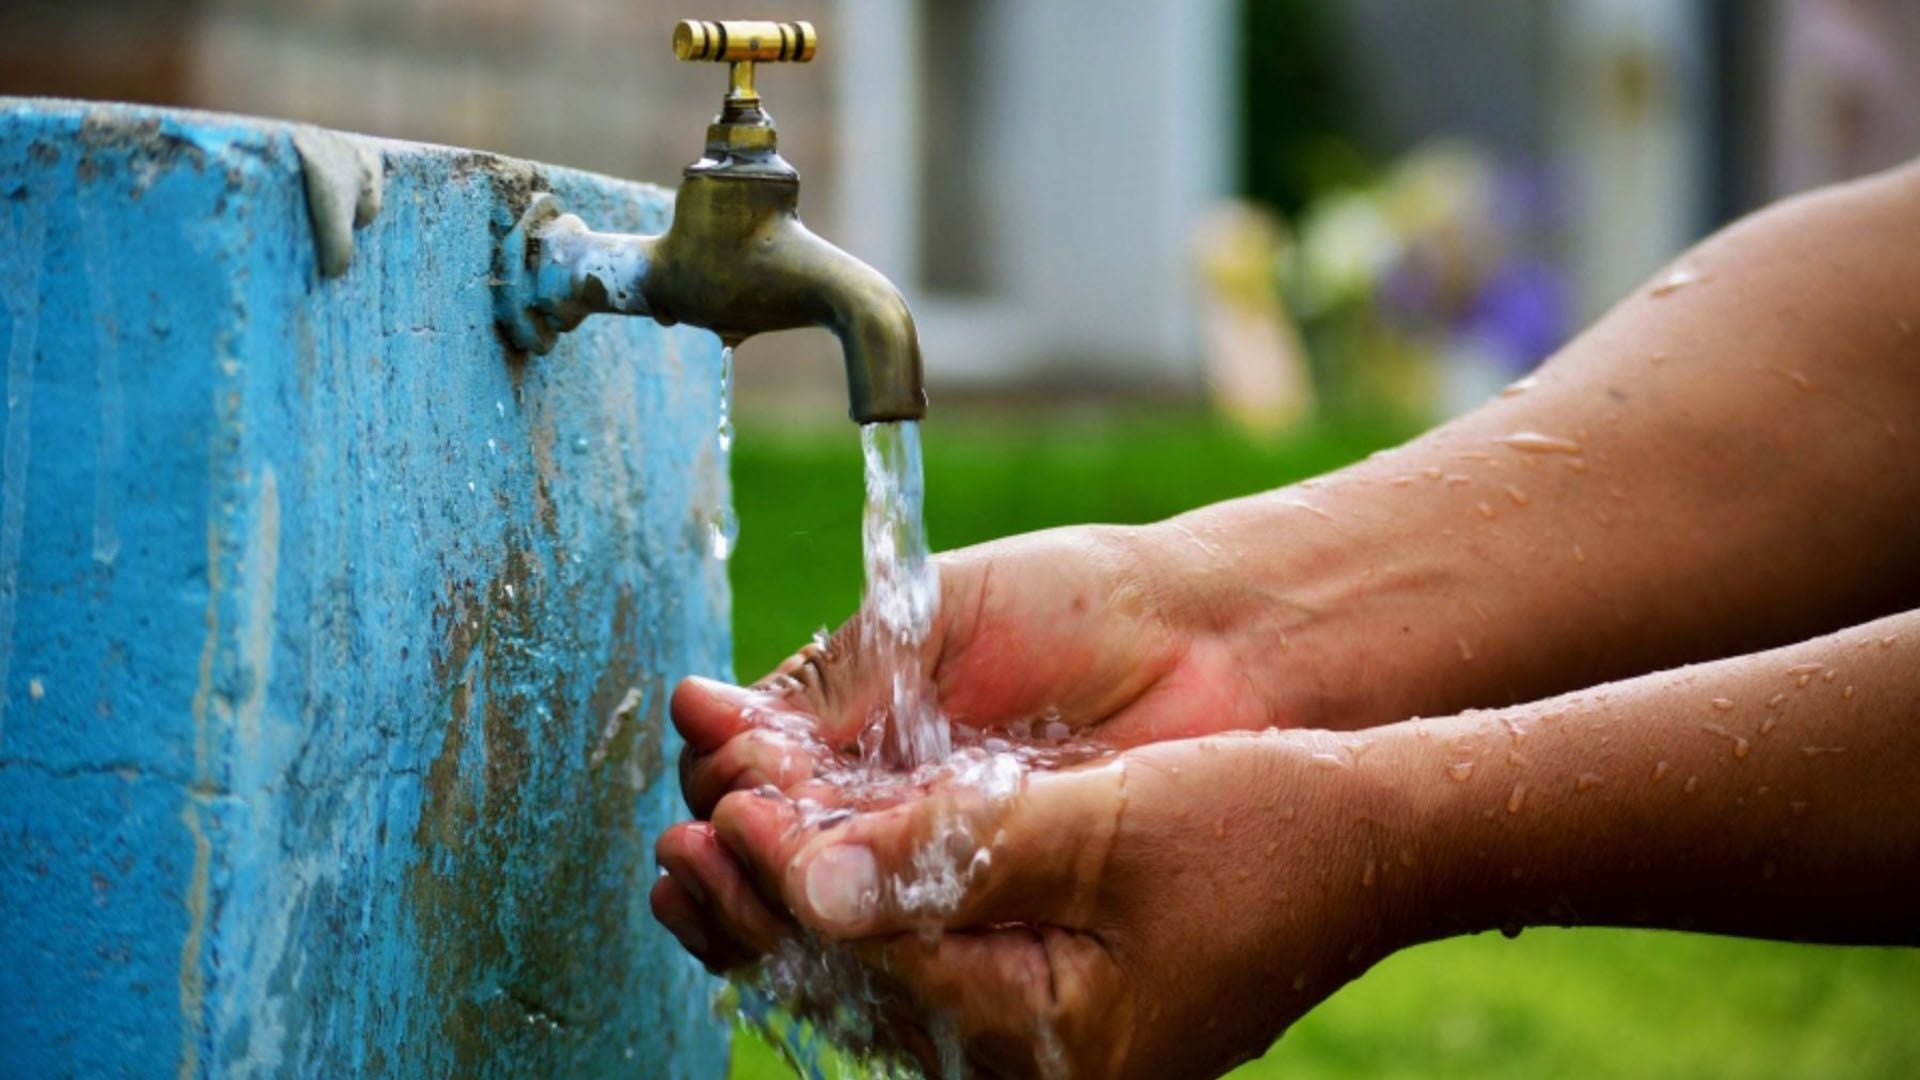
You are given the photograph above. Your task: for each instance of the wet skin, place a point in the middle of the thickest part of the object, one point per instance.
(1727, 466)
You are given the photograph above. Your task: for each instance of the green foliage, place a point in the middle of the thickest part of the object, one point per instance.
(1296, 110)
(1587, 1003)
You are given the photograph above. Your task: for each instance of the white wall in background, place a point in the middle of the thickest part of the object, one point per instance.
(1631, 136)
(1101, 130)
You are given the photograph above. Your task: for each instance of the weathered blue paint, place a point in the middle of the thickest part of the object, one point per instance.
(334, 640)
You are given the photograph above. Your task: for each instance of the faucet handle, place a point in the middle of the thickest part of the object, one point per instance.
(744, 41)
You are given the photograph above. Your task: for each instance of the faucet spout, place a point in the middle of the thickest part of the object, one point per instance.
(878, 341)
(736, 260)
(784, 276)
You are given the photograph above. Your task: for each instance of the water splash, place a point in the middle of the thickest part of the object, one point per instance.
(812, 999)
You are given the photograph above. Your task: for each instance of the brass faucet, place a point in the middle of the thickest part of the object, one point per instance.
(736, 259)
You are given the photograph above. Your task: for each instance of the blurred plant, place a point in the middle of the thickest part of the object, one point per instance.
(1256, 367)
(1423, 291)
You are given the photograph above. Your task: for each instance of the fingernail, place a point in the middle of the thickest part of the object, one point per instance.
(716, 687)
(843, 883)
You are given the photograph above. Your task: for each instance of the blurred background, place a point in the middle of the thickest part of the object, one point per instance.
(1164, 252)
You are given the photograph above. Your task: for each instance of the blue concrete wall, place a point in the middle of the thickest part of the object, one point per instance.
(335, 640)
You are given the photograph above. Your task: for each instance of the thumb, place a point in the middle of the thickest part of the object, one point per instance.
(957, 857)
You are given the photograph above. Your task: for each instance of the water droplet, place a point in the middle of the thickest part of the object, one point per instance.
(1767, 723)
(1430, 473)
(1816, 751)
(1302, 504)
(1519, 497)
(1368, 875)
(1287, 813)
(1657, 359)
(36, 689)
(1300, 981)
(1847, 694)
(500, 407)
(1798, 807)
(1588, 780)
(1533, 442)
(1692, 785)
(1887, 642)
(1486, 511)
(1518, 797)
(1723, 704)
(1400, 481)
(1579, 554)
(723, 532)
(1520, 386)
(1796, 377)
(1515, 732)
(1466, 650)
(1775, 701)
(1828, 675)
(1457, 480)
(1460, 771)
(1678, 278)
(1739, 741)
(1660, 771)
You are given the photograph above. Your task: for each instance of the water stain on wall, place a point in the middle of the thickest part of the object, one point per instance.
(521, 902)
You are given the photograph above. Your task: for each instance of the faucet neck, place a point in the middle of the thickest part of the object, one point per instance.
(741, 141)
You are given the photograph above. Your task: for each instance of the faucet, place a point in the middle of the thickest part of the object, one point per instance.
(736, 260)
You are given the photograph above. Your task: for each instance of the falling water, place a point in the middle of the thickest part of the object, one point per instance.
(906, 730)
(906, 745)
(723, 525)
(724, 429)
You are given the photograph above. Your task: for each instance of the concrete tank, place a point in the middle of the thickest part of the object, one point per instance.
(335, 638)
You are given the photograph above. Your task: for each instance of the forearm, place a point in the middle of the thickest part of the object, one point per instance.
(1725, 466)
(1771, 795)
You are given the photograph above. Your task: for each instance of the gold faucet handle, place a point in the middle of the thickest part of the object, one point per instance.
(744, 41)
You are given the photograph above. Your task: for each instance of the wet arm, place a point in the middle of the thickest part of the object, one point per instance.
(1729, 463)
(1770, 795)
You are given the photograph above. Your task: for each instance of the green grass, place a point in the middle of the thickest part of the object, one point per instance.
(1551, 1004)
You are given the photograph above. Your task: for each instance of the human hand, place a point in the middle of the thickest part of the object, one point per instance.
(1106, 632)
(1165, 911)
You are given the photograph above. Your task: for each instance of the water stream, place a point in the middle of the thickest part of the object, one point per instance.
(906, 744)
(906, 730)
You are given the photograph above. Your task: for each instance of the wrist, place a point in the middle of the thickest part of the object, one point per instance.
(1341, 624)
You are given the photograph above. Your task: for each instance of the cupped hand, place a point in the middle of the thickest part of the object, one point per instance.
(1104, 630)
(1165, 911)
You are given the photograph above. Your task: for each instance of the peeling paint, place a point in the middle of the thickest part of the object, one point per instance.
(345, 177)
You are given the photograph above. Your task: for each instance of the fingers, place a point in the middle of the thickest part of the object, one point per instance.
(756, 758)
(707, 901)
(708, 712)
(952, 858)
